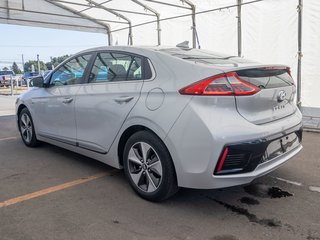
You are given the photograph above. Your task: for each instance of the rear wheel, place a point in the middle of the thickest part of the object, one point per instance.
(148, 167)
(27, 128)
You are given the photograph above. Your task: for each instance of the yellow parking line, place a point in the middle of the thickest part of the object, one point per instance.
(8, 138)
(53, 189)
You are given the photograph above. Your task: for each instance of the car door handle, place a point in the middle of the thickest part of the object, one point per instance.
(124, 99)
(67, 100)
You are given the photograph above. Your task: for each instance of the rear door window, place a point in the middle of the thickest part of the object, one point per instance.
(116, 67)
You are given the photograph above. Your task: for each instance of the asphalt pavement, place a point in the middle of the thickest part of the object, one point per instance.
(51, 193)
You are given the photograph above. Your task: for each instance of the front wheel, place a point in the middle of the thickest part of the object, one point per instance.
(149, 167)
(26, 128)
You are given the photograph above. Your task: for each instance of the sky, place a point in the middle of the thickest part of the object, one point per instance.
(17, 40)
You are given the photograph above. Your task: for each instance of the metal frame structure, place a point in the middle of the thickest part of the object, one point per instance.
(191, 7)
(103, 24)
(60, 15)
(107, 26)
(114, 12)
(157, 15)
(90, 6)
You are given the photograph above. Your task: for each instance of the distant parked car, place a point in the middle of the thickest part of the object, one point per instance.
(5, 78)
(28, 75)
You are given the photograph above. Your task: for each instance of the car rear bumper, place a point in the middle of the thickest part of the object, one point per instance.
(199, 136)
(262, 169)
(245, 157)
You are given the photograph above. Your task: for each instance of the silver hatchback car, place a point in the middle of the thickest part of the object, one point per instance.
(171, 117)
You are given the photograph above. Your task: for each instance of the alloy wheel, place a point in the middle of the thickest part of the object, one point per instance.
(26, 127)
(145, 167)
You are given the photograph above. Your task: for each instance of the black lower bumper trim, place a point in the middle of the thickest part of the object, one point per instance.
(246, 156)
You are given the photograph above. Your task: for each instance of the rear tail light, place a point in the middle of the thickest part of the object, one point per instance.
(220, 85)
(289, 71)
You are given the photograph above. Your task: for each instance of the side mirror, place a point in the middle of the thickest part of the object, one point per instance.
(37, 82)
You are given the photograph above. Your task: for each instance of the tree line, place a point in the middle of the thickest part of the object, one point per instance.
(55, 61)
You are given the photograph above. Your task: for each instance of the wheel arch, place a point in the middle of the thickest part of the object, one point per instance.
(126, 134)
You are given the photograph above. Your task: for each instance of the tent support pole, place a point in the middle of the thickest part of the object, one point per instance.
(239, 29)
(157, 16)
(158, 30)
(194, 41)
(191, 7)
(194, 30)
(109, 37)
(300, 6)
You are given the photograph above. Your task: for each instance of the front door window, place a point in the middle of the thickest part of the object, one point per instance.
(72, 72)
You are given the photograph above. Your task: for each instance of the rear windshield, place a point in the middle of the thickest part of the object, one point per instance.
(266, 78)
(6, 73)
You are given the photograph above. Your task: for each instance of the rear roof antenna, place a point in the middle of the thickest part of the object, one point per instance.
(184, 44)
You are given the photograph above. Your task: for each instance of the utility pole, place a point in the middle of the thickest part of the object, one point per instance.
(38, 64)
(52, 67)
(22, 58)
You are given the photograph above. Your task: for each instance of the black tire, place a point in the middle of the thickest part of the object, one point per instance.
(30, 141)
(167, 185)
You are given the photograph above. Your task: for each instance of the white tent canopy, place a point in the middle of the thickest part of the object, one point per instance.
(269, 27)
